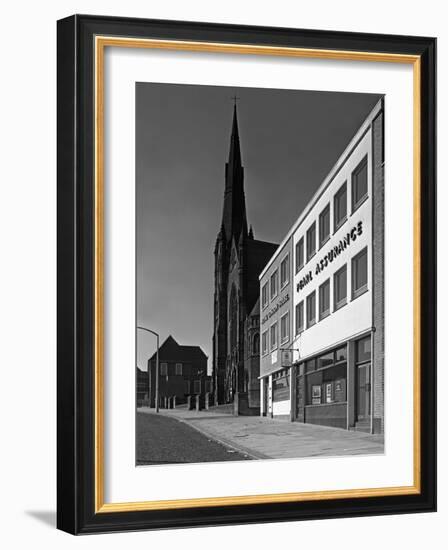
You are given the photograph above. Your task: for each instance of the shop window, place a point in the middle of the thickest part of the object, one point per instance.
(359, 184)
(264, 342)
(284, 271)
(311, 242)
(299, 318)
(274, 342)
(163, 369)
(324, 226)
(340, 207)
(332, 382)
(197, 386)
(187, 386)
(311, 309)
(340, 390)
(264, 295)
(280, 386)
(340, 287)
(310, 365)
(359, 273)
(178, 370)
(325, 360)
(274, 284)
(324, 299)
(341, 354)
(300, 255)
(284, 328)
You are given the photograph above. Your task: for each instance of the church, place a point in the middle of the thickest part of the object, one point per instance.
(239, 260)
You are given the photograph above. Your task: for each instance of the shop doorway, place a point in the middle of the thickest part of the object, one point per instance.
(363, 393)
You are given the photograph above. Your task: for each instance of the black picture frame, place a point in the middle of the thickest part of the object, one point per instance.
(76, 512)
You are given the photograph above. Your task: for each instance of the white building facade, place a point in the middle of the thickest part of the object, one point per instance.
(337, 304)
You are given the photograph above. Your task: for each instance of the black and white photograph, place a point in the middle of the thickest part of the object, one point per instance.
(259, 273)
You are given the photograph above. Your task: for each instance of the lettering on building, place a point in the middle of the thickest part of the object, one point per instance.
(332, 254)
(274, 310)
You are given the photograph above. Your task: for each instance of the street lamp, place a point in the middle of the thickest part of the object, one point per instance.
(157, 369)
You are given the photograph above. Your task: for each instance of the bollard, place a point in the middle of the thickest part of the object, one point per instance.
(174, 401)
(206, 403)
(197, 402)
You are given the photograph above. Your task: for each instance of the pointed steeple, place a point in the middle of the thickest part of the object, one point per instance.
(235, 151)
(251, 233)
(234, 217)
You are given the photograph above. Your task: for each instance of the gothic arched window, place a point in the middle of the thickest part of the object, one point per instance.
(233, 317)
(256, 344)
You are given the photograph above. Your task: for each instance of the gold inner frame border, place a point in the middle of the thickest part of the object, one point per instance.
(100, 43)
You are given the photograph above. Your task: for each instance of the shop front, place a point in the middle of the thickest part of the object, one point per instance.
(322, 389)
(333, 388)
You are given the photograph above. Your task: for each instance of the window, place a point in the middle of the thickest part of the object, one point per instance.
(264, 295)
(359, 273)
(274, 336)
(340, 207)
(341, 354)
(163, 369)
(311, 309)
(363, 350)
(256, 344)
(325, 360)
(299, 318)
(179, 369)
(264, 342)
(197, 386)
(300, 255)
(324, 226)
(187, 386)
(281, 386)
(284, 328)
(284, 271)
(359, 184)
(327, 385)
(311, 242)
(340, 287)
(324, 299)
(274, 284)
(310, 365)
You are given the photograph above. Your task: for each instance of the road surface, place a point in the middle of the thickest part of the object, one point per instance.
(164, 440)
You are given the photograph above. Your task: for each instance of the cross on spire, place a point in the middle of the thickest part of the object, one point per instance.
(235, 99)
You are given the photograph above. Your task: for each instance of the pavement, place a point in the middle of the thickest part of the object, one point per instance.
(264, 437)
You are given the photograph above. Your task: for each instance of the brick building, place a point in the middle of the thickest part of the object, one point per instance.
(141, 379)
(337, 245)
(239, 259)
(182, 373)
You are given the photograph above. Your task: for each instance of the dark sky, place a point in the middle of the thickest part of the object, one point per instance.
(289, 141)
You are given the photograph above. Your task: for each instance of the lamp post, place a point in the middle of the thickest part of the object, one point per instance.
(157, 369)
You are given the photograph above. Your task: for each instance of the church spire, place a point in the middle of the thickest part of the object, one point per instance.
(235, 151)
(234, 211)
